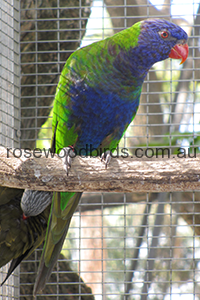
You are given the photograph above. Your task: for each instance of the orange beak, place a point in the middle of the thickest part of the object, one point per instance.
(180, 51)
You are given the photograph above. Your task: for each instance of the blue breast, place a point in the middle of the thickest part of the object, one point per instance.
(97, 114)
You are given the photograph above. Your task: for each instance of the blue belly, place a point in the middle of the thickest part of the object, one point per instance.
(98, 114)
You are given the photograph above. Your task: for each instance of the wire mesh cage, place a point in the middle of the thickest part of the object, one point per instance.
(10, 103)
(119, 246)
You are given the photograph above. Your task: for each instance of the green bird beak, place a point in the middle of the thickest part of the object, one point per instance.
(180, 51)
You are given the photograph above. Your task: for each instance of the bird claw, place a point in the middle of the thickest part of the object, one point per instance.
(67, 158)
(106, 158)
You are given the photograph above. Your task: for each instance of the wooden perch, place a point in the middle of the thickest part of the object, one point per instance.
(89, 174)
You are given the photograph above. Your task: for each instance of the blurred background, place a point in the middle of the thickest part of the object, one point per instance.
(132, 246)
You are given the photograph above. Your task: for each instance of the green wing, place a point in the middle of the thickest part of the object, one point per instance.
(63, 204)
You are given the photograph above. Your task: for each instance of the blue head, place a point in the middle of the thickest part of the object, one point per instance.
(159, 39)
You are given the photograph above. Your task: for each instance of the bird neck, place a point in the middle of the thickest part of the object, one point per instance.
(133, 66)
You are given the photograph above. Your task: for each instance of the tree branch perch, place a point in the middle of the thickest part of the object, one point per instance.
(89, 174)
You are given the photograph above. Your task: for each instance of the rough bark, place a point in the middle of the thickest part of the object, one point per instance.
(89, 174)
(46, 43)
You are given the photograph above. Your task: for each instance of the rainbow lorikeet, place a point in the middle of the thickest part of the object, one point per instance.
(96, 99)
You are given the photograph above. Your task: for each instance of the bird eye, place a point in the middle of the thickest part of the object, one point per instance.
(164, 34)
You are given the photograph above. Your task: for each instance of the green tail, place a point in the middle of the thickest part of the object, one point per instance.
(57, 229)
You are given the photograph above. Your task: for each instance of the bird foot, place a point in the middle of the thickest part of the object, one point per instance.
(106, 158)
(67, 158)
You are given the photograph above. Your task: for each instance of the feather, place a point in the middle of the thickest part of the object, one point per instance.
(96, 99)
